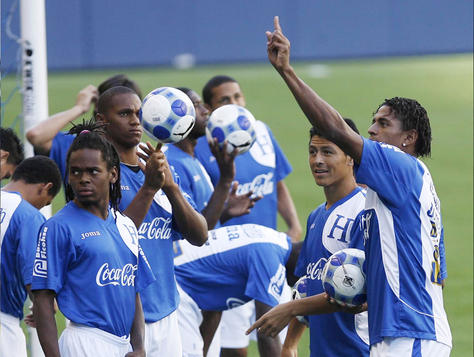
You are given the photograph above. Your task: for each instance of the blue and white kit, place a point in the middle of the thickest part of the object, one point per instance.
(259, 170)
(20, 224)
(236, 265)
(156, 233)
(403, 244)
(95, 267)
(327, 231)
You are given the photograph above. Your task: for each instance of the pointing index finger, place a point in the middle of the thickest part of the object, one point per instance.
(276, 23)
(158, 146)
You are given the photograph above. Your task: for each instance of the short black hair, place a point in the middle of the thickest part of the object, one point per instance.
(10, 142)
(105, 98)
(119, 80)
(315, 131)
(39, 169)
(212, 83)
(90, 136)
(412, 116)
(185, 90)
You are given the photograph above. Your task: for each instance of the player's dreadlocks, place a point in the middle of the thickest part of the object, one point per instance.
(90, 136)
(413, 116)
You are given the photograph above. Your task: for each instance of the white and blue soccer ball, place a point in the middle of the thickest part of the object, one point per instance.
(343, 277)
(232, 123)
(167, 114)
(300, 291)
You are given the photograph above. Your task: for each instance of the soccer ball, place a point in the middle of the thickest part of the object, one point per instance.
(234, 124)
(300, 291)
(167, 114)
(343, 278)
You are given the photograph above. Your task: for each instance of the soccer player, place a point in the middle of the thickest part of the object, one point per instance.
(11, 152)
(333, 226)
(170, 216)
(88, 258)
(34, 184)
(47, 137)
(261, 170)
(236, 265)
(215, 203)
(402, 219)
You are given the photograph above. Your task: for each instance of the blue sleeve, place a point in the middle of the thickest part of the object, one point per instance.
(388, 171)
(266, 276)
(442, 257)
(28, 233)
(283, 167)
(59, 149)
(145, 275)
(54, 253)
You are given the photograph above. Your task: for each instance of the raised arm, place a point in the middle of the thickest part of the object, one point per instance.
(41, 135)
(318, 112)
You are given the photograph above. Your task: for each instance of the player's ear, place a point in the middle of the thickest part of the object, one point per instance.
(349, 161)
(100, 117)
(4, 156)
(43, 188)
(410, 137)
(113, 175)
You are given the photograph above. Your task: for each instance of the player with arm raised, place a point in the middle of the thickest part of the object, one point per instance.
(34, 184)
(402, 219)
(219, 203)
(161, 216)
(88, 258)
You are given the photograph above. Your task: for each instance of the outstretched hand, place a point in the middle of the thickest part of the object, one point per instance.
(272, 322)
(155, 168)
(278, 47)
(238, 205)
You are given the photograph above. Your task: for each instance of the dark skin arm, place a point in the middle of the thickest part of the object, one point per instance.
(190, 223)
(275, 320)
(318, 112)
(137, 332)
(209, 325)
(268, 346)
(45, 322)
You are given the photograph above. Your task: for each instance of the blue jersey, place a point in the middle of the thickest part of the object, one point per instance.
(403, 230)
(236, 265)
(156, 233)
(258, 170)
(20, 223)
(193, 177)
(92, 266)
(327, 231)
(58, 152)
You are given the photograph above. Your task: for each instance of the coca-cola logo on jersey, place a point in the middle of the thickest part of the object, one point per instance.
(261, 185)
(116, 276)
(315, 270)
(158, 228)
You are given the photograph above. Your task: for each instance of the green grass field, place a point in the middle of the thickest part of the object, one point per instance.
(443, 84)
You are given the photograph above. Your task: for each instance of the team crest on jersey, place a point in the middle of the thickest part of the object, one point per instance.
(276, 282)
(314, 271)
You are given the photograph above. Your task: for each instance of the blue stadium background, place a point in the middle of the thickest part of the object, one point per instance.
(85, 34)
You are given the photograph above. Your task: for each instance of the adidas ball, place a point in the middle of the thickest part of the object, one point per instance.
(343, 277)
(234, 124)
(167, 114)
(300, 291)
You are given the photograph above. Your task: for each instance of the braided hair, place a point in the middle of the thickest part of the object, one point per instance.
(412, 116)
(90, 136)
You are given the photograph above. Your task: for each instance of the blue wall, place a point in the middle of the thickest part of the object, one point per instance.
(117, 33)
